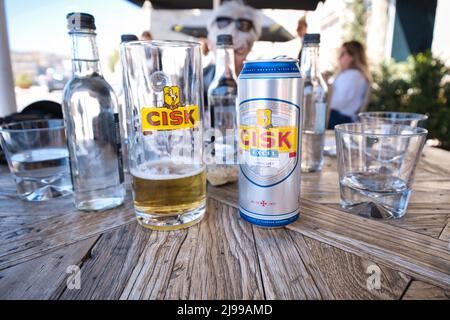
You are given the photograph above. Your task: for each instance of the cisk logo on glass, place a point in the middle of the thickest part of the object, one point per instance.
(172, 116)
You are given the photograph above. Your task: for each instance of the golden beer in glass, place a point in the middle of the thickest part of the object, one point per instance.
(169, 197)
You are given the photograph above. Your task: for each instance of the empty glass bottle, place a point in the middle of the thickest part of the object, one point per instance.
(315, 105)
(125, 109)
(92, 123)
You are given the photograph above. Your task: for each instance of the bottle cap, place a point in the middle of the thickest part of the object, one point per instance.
(224, 39)
(80, 20)
(128, 38)
(311, 38)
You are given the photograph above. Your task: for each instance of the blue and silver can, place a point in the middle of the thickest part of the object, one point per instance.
(270, 117)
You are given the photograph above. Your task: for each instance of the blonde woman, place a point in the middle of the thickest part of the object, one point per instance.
(351, 87)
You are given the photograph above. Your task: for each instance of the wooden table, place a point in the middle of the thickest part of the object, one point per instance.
(326, 254)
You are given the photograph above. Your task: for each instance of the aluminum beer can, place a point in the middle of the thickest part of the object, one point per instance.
(270, 120)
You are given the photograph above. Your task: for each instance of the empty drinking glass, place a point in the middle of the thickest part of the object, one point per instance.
(38, 158)
(403, 118)
(376, 164)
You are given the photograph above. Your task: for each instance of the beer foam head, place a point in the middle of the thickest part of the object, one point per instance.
(165, 170)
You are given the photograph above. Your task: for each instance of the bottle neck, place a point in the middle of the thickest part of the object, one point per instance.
(225, 63)
(85, 59)
(309, 64)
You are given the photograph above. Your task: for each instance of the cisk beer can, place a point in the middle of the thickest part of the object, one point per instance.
(270, 117)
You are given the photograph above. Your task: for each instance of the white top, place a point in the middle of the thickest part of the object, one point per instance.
(349, 91)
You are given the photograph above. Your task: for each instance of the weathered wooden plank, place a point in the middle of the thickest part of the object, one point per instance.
(320, 187)
(435, 160)
(427, 189)
(110, 264)
(226, 194)
(15, 225)
(311, 265)
(445, 233)
(419, 290)
(284, 274)
(44, 277)
(420, 218)
(427, 222)
(153, 270)
(59, 231)
(218, 259)
(351, 277)
(323, 187)
(15, 207)
(415, 254)
(431, 191)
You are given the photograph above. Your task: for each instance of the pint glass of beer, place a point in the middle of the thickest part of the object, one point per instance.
(163, 91)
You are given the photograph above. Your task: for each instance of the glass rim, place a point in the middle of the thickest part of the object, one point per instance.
(162, 43)
(405, 116)
(5, 128)
(345, 128)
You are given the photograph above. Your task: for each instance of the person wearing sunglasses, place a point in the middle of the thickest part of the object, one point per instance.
(242, 23)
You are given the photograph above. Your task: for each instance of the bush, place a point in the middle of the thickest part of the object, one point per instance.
(23, 81)
(420, 85)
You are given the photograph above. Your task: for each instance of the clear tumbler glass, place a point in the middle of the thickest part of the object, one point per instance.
(164, 84)
(376, 165)
(38, 158)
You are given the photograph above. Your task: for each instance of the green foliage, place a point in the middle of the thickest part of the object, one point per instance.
(23, 80)
(420, 85)
(356, 28)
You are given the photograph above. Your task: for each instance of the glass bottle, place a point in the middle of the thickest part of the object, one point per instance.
(315, 105)
(125, 108)
(222, 94)
(92, 123)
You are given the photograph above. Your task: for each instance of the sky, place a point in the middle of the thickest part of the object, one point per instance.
(40, 25)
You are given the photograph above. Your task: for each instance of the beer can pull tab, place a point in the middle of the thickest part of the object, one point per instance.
(281, 57)
(284, 57)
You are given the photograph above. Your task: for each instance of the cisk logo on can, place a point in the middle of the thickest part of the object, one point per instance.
(264, 118)
(172, 116)
(268, 140)
(264, 140)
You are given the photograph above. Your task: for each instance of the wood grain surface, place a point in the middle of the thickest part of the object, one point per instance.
(327, 254)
